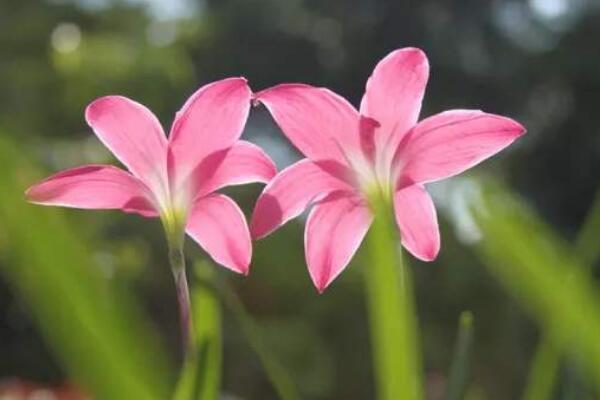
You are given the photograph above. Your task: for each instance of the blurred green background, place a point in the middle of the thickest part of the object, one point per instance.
(536, 61)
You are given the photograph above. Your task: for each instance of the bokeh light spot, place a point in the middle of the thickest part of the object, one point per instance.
(66, 37)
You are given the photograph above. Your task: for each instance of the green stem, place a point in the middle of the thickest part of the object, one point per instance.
(177, 261)
(200, 377)
(391, 311)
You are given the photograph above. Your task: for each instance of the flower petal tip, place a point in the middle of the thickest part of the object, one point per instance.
(279, 89)
(254, 100)
(321, 283)
(272, 172)
(257, 230)
(266, 217)
(98, 107)
(416, 55)
(510, 125)
(429, 257)
(32, 195)
(244, 270)
(520, 129)
(428, 254)
(35, 193)
(27, 193)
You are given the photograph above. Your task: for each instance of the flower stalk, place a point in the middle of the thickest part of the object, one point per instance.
(173, 224)
(391, 310)
(177, 261)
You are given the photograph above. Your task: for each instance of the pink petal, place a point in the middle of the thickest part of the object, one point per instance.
(448, 143)
(292, 190)
(94, 187)
(394, 94)
(242, 163)
(317, 121)
(334, 230)
(417, 219)
(219, 227)
(133, 134)
(212, 119)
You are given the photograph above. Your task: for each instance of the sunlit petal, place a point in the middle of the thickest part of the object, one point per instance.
(212, 119)
(218, 225)
(394, 94)
(242, 163)
(94, 187)
(292, 190)
(451, 142)
(334, 230)
(417, 220)
(133, 134)
(321, 124)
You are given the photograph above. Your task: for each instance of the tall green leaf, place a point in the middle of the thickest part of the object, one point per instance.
(540, 270)
(458, 378)
(546, 360)
(95, 330)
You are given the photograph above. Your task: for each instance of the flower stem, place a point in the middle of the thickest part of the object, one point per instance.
(177, 261)
(391, 310)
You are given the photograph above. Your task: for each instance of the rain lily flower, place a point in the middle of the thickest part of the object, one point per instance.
(380, 150)
(175, 178)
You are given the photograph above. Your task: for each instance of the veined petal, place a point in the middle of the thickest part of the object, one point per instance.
(94, 187)
(417, 220)
(212, 119)
(320, 123)
(334, 230)
(394, 94)
(242, 163)
(134, 136)
(451, 142)
(219, 227)
(292, 190)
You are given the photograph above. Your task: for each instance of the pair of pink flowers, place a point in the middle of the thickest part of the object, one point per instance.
(350, 155)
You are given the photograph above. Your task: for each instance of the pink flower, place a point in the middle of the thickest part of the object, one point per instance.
(381, 148)
(175, 178)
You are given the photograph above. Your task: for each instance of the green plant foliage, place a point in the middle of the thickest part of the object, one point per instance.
(541, 271)
(94, 328)
(546, 360)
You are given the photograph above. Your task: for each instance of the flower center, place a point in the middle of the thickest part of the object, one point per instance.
(174, 208)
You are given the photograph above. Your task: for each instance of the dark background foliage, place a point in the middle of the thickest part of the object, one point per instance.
(536, 61)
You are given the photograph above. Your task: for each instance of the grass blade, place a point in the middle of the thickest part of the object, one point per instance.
(543, 370)
(459, 370)
(586, 244)
(277, 374)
